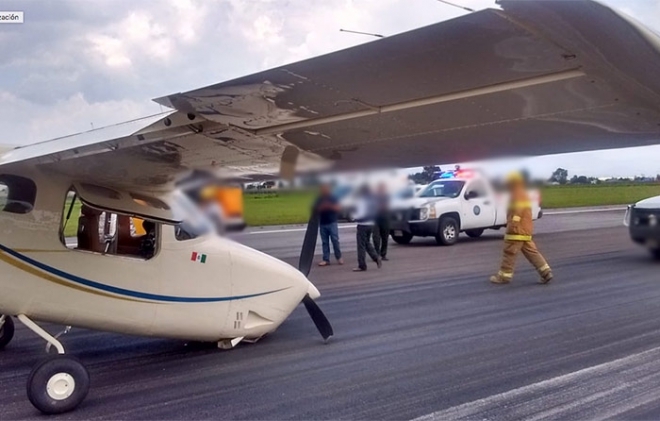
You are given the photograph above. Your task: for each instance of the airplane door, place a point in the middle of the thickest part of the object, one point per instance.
(478, 206)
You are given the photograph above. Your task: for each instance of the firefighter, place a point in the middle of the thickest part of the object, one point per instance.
(518, 237)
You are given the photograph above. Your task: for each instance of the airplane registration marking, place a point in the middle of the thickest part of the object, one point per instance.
(52, 274)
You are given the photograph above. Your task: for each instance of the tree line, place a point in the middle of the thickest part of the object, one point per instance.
(559, 176)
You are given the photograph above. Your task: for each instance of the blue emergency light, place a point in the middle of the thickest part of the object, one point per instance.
(444, 175)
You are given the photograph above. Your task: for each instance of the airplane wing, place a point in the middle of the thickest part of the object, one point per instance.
(536, 77)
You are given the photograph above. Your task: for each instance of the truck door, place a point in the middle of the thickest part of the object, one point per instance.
(478, 206)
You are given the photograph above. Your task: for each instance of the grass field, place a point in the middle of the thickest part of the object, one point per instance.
(281, 208)
(596, 195)
(278, 208)
(293, 208)
(71, 228)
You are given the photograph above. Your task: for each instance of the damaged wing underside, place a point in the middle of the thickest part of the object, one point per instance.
(534, 78)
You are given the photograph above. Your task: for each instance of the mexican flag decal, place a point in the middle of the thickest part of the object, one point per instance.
(198, 257)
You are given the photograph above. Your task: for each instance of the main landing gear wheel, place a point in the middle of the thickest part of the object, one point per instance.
(6, 330)
(58, 384)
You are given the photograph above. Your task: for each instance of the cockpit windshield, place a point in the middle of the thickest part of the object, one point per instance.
(444, 188)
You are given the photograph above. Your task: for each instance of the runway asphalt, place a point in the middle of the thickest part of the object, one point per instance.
(425, 336)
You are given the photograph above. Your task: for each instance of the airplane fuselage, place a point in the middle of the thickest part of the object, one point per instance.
(233, 292)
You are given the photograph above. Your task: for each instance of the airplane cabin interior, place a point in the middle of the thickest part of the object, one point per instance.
(87, 228)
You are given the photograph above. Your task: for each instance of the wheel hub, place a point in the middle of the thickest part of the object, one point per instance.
(449, 232)
(60, 386)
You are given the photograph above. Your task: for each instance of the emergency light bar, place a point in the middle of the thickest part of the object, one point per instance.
(444, 175)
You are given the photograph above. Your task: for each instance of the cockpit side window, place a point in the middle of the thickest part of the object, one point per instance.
(17, 194)
(101, 231)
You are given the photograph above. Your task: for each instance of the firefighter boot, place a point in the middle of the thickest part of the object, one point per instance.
(500, 279)
(546, 277)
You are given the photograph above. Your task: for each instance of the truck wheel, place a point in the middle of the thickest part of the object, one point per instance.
(447, 231)
(655, 253)
(476, 233)
(406, 238)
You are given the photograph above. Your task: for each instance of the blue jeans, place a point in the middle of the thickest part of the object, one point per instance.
(330, 232)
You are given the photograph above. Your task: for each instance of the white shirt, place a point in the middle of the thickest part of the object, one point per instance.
(362, 211)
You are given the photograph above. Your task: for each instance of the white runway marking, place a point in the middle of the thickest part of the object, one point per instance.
(612, 388)
(568, 212)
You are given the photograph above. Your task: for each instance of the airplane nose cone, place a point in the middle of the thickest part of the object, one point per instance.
(312, 291)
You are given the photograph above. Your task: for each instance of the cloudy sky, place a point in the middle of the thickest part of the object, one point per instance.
(77, 64)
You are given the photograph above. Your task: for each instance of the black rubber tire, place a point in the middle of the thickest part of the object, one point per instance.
(6, 332)
(655, 253)
(476, 233)
(442, 237)
(406, 238)
(37, 383)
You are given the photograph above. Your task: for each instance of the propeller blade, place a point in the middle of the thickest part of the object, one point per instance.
(309, 244)
(305, 266)
(321, 322)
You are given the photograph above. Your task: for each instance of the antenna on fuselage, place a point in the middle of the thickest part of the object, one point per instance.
(362, 33)
(456, 5)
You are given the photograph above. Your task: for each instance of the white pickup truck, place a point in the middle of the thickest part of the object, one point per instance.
(447, 207)
(643, 221)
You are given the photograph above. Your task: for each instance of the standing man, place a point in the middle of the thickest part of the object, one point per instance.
(382, 223)
(365, 214)
(518, 237)
(328, 209)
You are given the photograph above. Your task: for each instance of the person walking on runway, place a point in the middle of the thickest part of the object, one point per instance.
(365, 214)
(382, 222)
(518, 237)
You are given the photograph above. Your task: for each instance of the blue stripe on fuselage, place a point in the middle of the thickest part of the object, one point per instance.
(126, 292)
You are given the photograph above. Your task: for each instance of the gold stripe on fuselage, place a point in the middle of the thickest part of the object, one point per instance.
(51, 278)
(40, 251)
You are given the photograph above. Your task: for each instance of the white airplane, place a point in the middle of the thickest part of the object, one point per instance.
(532, 78)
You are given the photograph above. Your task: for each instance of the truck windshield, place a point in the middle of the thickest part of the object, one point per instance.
(341, 191)
(445, 188)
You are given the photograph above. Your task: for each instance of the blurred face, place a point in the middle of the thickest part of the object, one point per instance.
(325, 190)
